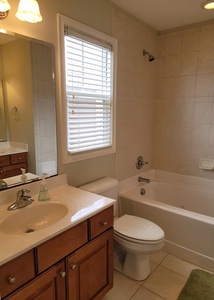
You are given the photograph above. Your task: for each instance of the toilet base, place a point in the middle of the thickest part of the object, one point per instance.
(133, 265)
(136, 266)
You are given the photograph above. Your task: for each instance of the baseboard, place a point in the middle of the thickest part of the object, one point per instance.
(186, 254)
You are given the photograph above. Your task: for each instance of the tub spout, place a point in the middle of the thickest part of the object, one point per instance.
(142, 179)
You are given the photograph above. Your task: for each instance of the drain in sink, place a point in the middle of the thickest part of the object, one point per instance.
(30, 230)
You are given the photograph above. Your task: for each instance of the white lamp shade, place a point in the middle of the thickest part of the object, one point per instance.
(4, 5)
(209, 5)
(28, 10)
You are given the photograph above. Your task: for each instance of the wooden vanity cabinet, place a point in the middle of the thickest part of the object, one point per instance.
(74, 265)
(10, 165)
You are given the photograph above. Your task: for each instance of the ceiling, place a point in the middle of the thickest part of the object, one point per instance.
(167, 14)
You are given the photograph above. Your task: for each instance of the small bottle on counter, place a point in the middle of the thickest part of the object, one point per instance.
(24, 176)
(43, 193)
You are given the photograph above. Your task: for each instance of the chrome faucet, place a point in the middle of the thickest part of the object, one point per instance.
(3, 184)
(22, 200)
(142, 179)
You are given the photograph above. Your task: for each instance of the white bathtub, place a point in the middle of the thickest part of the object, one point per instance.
(183, 206)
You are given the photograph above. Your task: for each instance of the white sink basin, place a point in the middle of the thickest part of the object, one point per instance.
(33, 218)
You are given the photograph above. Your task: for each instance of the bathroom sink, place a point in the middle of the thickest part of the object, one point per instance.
(33, 218)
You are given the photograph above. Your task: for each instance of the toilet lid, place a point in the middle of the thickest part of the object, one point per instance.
(138, 228)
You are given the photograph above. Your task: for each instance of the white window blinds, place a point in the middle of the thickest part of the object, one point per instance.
(89, 93)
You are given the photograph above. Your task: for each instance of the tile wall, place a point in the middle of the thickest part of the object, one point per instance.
(165, 108)
(135, 93)
(184, 101)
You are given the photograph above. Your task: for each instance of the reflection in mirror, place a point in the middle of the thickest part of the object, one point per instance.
(27, 68)
(3, 130)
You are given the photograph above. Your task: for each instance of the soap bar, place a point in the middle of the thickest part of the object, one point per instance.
(206, 164)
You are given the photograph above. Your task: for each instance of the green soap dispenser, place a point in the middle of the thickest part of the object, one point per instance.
(43, 193)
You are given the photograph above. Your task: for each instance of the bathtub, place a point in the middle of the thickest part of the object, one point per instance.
(183, 206)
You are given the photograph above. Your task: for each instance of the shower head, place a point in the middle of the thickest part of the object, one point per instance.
(151, 57)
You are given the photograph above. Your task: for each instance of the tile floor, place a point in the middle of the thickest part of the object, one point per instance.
(169, 275)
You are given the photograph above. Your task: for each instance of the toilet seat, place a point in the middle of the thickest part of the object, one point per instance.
(130, 228)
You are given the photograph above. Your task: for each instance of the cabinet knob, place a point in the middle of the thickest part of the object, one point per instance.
(62, 274)
(19, 158)
(104, 223)
(73, 266)
(11, 280)
(1, 172)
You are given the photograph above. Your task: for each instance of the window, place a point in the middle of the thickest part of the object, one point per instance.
(89, 90)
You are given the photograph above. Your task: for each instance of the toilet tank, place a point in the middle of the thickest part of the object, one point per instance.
(107, 187)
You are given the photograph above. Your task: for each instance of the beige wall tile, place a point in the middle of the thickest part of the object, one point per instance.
(206, 61)
(171, 87)
(207, 39)
(173, 45)
(189, 63)
(205, 85)
(172, 66)
(187, 86)
(190, 42)
(202, 113)
(200, 134)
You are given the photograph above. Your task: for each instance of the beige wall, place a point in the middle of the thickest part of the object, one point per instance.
(94, 13)
(184, 107)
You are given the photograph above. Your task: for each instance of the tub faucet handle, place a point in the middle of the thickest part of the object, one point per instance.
(140, 162)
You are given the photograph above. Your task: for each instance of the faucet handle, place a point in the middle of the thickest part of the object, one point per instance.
(22, 192)
(140, 162)
(26, 191)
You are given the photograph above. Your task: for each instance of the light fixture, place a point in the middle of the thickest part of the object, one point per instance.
(28, 10)
(208, 5)
(4, 9)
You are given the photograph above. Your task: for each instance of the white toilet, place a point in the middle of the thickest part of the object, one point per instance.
(134, 238)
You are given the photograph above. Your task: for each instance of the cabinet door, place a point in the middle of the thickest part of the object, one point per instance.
(90, 269)
(48, 286)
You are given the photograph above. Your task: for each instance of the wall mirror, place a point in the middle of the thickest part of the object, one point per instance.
(27, 109)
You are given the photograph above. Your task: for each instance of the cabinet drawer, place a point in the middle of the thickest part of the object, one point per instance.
(16, 273)
(18, 158)
(101, 221)
(60, 246)
(13, 170)
(4, 160)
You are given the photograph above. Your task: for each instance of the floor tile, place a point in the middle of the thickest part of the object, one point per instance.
(158, 257)
(165, 283)
(168, 276)
(178, 265)
(124, 288)
(144, 294)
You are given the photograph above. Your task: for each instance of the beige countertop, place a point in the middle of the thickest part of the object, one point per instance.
(81, 205)
(8, 148)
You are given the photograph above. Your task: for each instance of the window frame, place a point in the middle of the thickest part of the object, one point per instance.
(62, 22)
